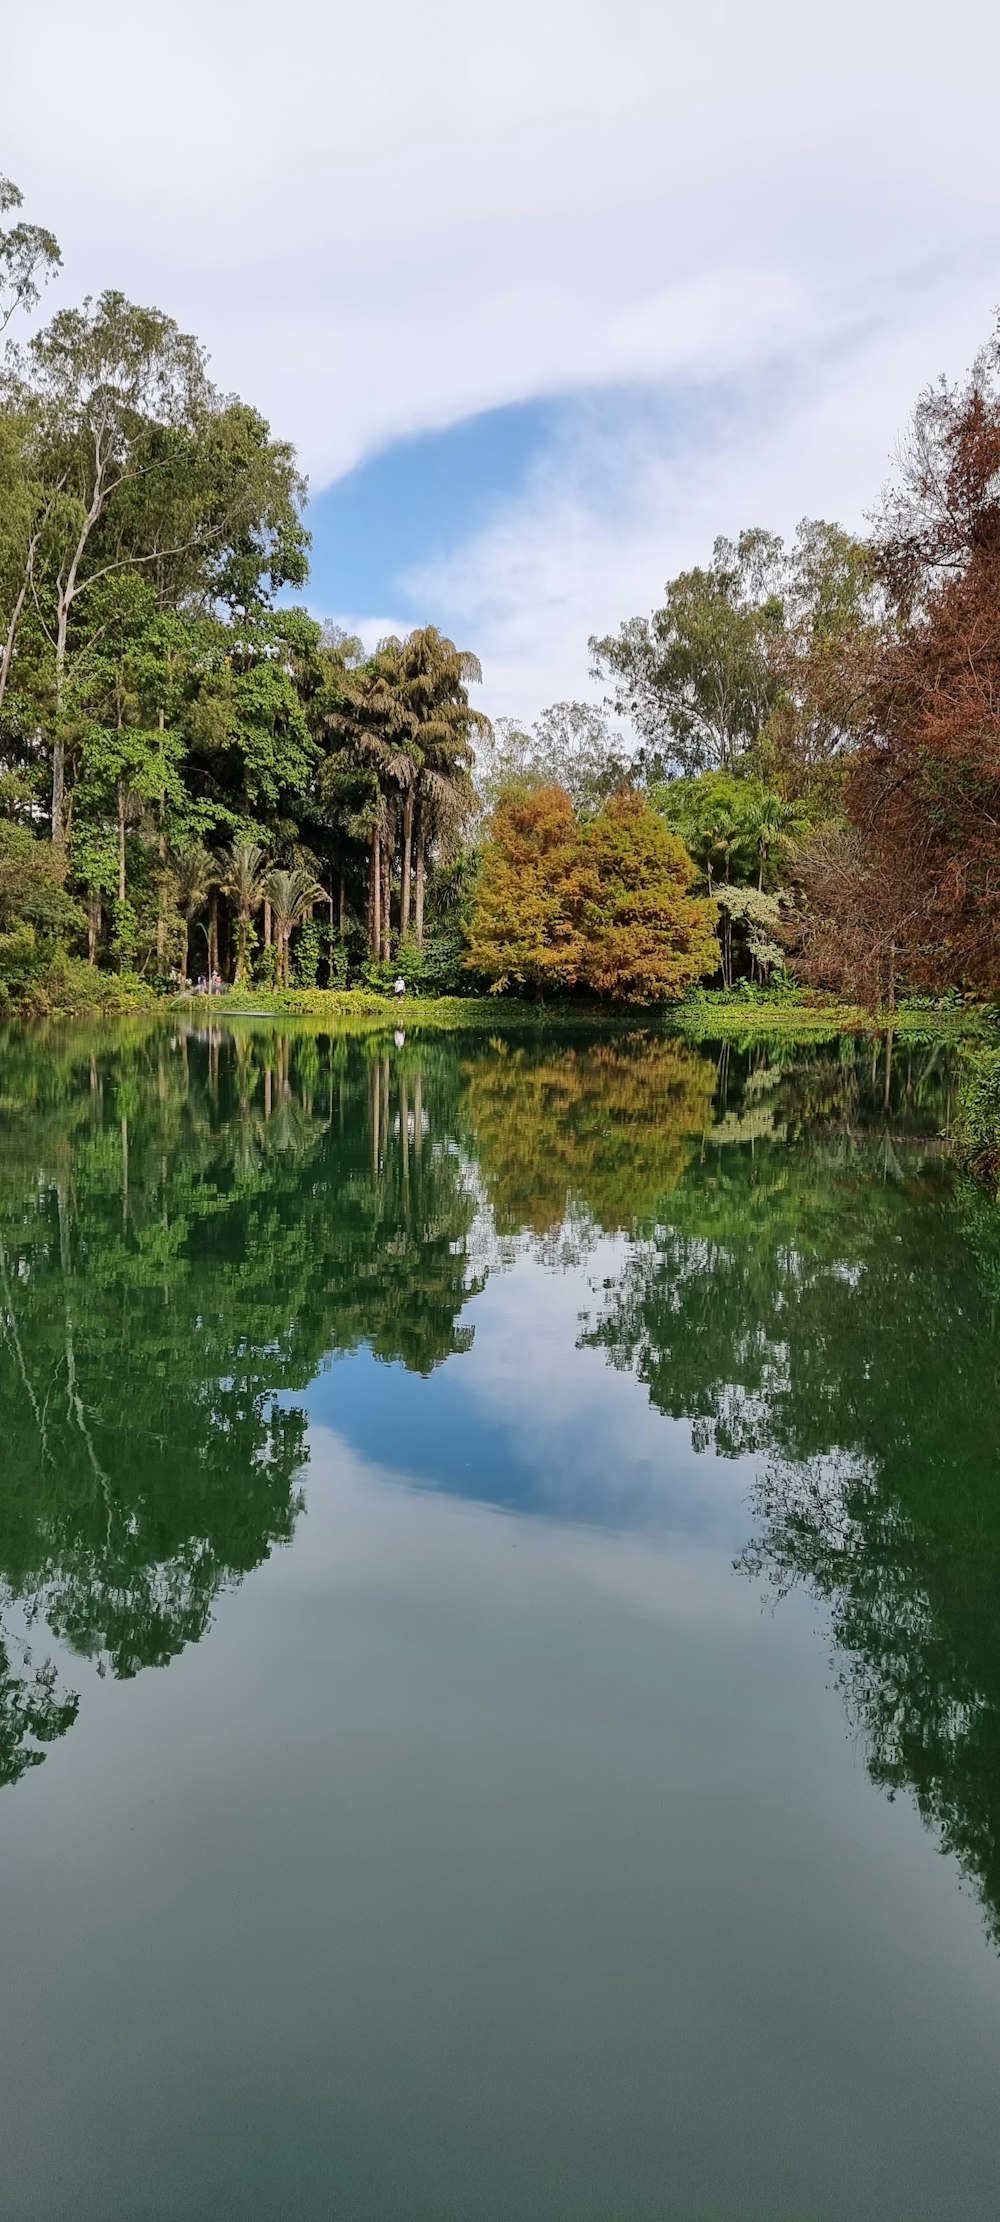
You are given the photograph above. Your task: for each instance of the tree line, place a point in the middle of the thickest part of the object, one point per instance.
(793, 769)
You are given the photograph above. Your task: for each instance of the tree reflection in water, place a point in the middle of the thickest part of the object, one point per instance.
(188, 1227)
(831, 1310)
(191, 1224)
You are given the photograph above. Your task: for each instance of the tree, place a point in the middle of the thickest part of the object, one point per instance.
(834, 622)
(401, 726)
(643, 935)
(242, 872)
(697, 679)
(370, 765)
(714, 816)
(924, 788)
(29, 257)
(572, 745)
(864, 914)
(32, 884)
(434, 681)
(606, 905)
(522, 933)
(738, 832)
(760, 918)
(251, 755)
(775, 827)
(753, 661)
(142, 465)
(293, 896)
(128, 760)
(192, 877)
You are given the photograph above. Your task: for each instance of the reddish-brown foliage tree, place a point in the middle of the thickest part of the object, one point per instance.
(923, 791)
(861, 923)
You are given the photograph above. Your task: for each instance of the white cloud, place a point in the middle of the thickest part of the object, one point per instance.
(381, 220)
(613, 511)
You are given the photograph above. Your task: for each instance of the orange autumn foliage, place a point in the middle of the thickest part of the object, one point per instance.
(644, 935)
(522, 933)
(606, 906)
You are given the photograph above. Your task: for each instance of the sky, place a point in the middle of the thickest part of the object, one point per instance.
(547, 295)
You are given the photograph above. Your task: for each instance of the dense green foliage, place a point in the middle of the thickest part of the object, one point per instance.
(978, 1124)
(212, 782)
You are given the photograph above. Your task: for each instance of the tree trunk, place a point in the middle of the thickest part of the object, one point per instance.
(7, 657)
(161, 923)
(404, 871)
(121, 840)
(267, 922)
(58, 748)
(418, 921)
(386, 906)
(341, 913)
(375, 900)
(213, 935)
(93, 923)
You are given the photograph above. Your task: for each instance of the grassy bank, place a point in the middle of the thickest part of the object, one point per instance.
(75, 990)
(744, 1020)
(362, 1011)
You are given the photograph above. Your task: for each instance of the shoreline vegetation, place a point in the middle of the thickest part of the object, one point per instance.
(706, 1015)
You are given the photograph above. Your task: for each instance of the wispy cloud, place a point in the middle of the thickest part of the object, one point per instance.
(627, 495)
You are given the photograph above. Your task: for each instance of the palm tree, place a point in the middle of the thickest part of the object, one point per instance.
(404, 722)
(292, 896)
(775, 827)
(434, 680)
(241, 872)
(370, 723)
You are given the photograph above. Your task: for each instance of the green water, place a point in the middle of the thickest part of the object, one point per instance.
(500, 1673)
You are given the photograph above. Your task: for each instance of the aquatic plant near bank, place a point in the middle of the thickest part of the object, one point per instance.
(977, 1126)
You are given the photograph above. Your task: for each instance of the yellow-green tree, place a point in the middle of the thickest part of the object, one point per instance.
(522, 933)
(644, 936)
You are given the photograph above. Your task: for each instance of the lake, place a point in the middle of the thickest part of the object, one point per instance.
(500, 1667)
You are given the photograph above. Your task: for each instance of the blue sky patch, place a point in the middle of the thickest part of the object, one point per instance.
(414, 502)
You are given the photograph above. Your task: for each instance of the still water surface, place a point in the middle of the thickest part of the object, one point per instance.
(500, 1674)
